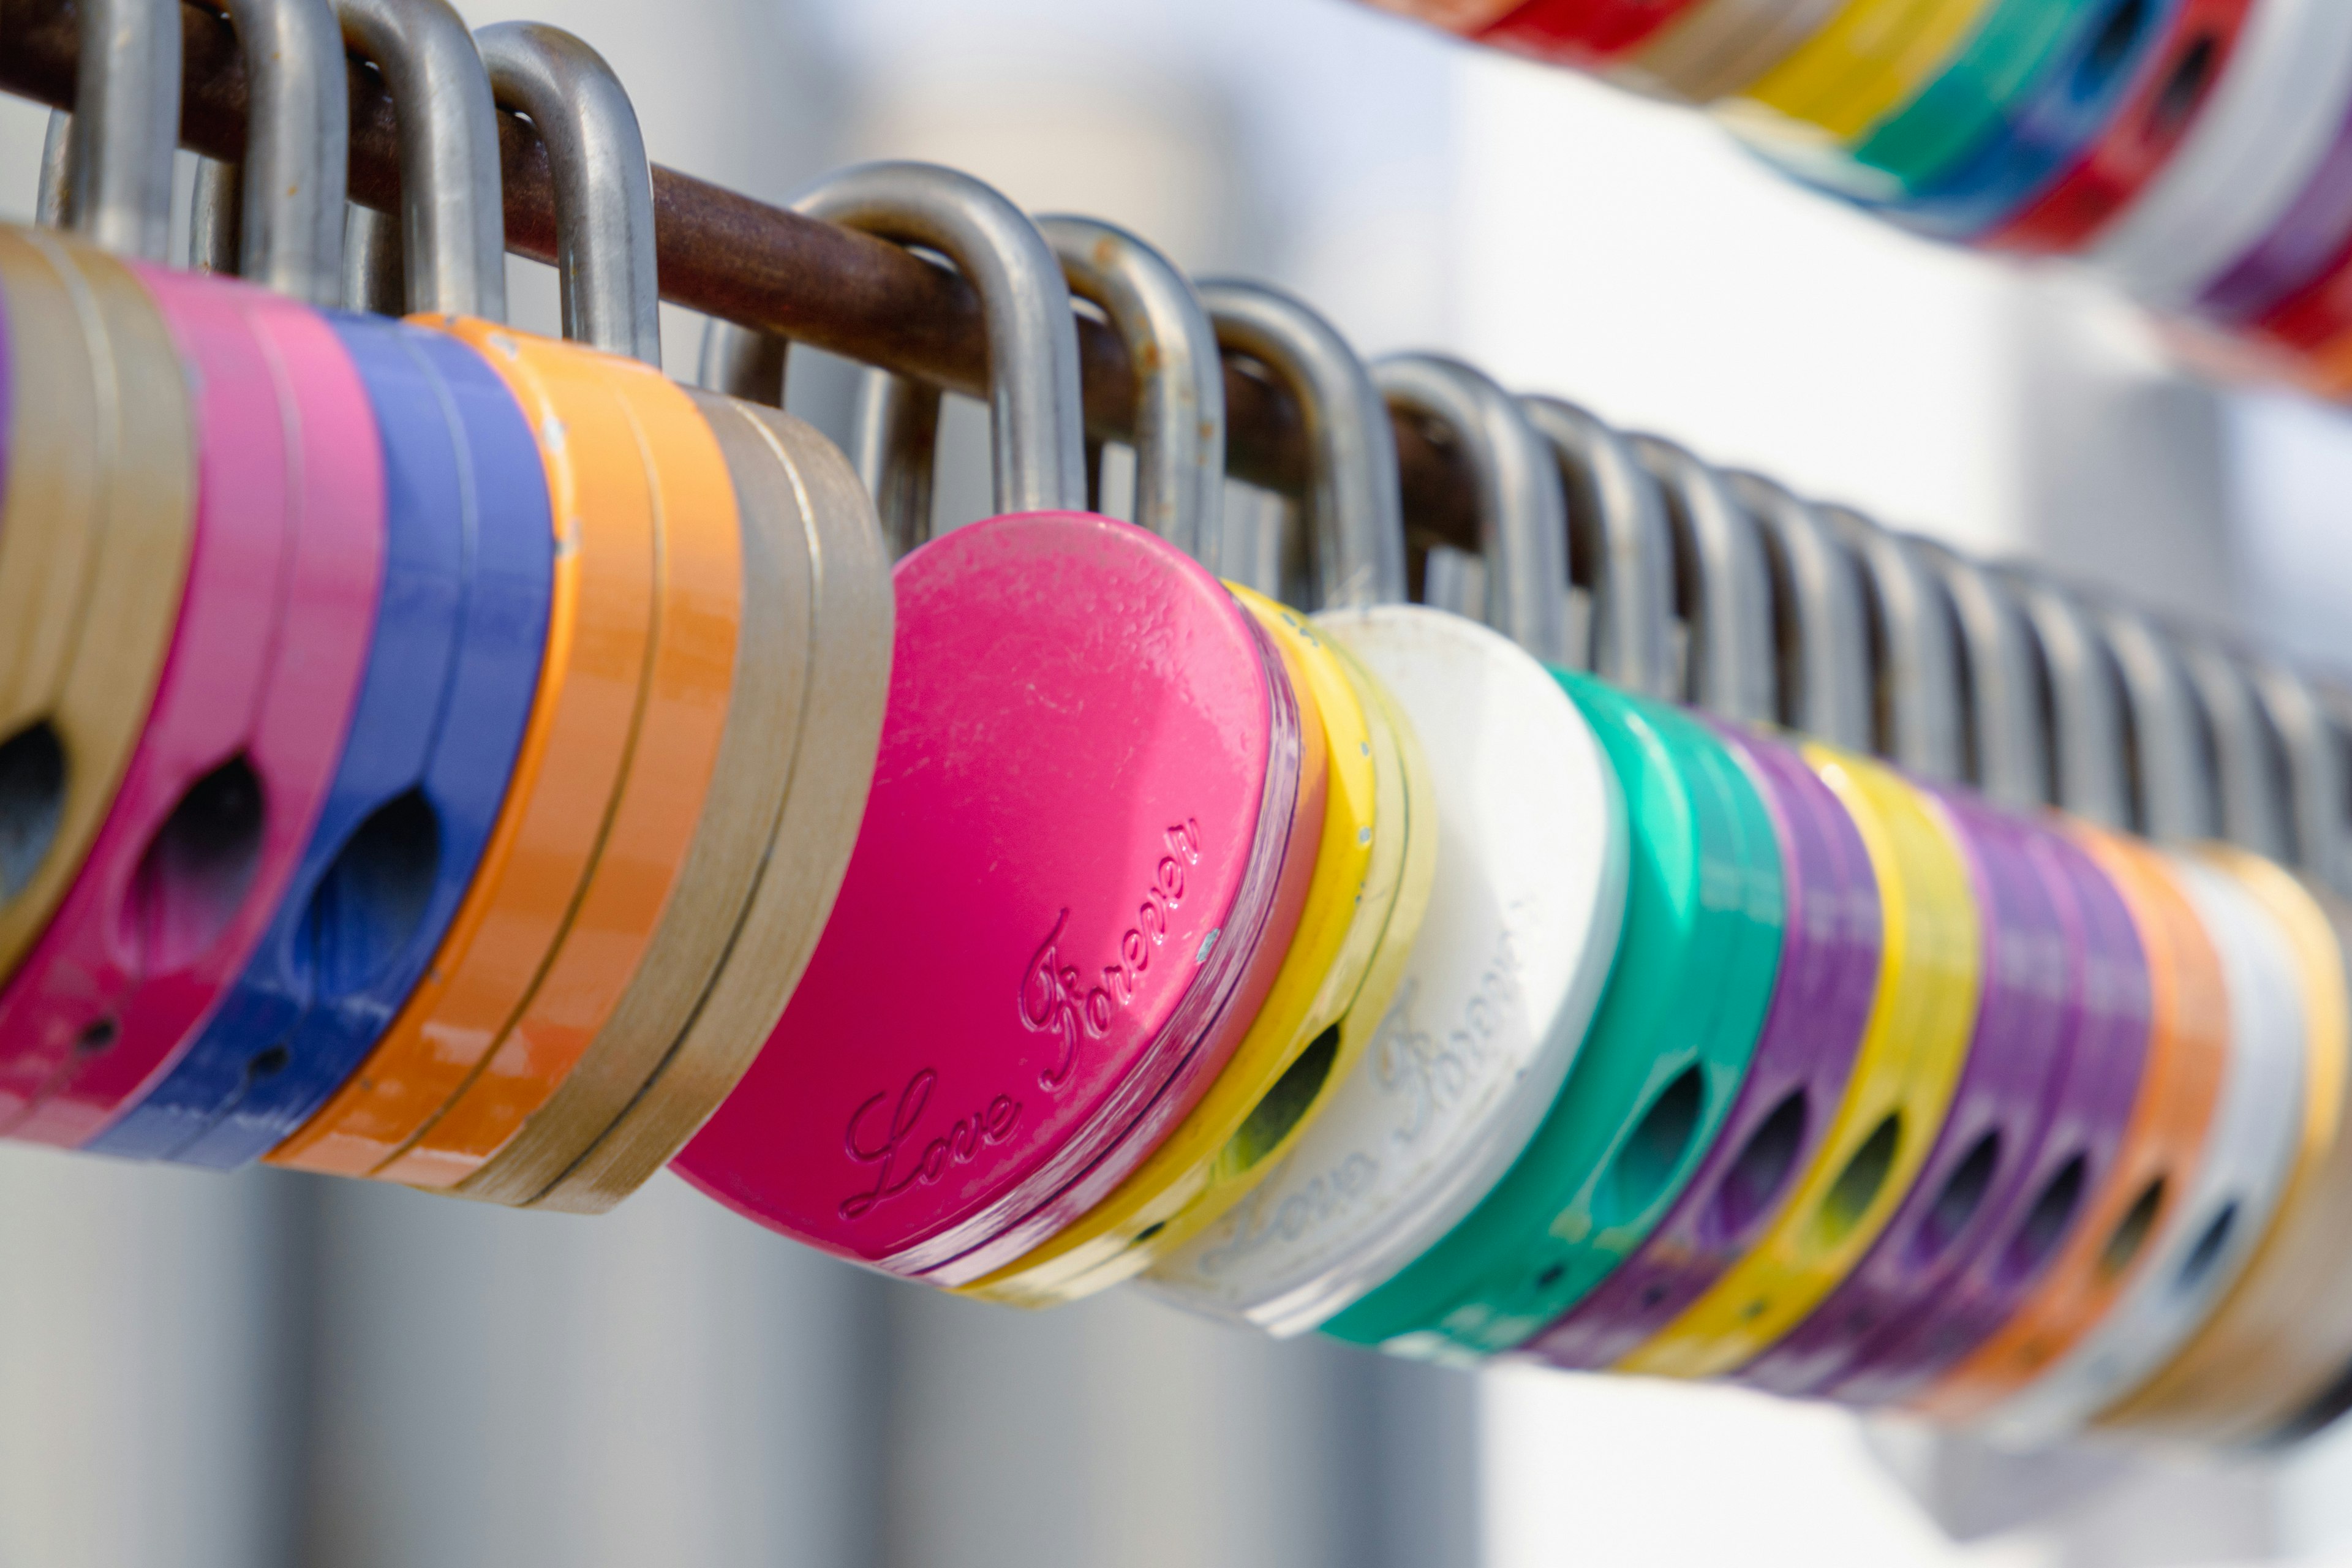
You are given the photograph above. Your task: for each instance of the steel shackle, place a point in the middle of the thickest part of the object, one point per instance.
(2008, 751)
(288, 237)
(2089, 775)
(106, 169)
(1353, 509)
(452, 251)
(1723, 583)
(2249, 773)
(2312, 739)
(1915, 669)
(1616, 530)
(1819, 622)
(1179, 383)
(1522, 505)
(604, 257)
(2176, 793)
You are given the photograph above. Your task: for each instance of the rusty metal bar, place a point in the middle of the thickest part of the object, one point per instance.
(726, 254)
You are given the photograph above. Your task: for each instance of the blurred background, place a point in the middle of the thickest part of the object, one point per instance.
(273, 1370)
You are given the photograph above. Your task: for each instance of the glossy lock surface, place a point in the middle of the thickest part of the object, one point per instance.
(2199, 1248)
(566, 773)
(801, 504)
(2056, 116)
(1301, 1041)
(1873, 57)
(1088, 769)
(1525, 911)
(1664, 1062)
(2188, 1042)
(1973, 1189)
(2133, 143)
(1718, 48)
(2255, 146)
(1830, 958)
(248, 722)
(2286, 1329)
(2304, 243)
(1903, 1075)
(96, 524)
(2090, 1109)
(460, 626)
(564, 1034)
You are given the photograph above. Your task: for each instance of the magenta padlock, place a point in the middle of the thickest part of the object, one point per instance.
(1081, 861)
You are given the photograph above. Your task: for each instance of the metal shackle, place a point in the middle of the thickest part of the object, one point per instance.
(1522, 508)
(1353, 509)
(452, 248)
(1180, 379)
(1915, 665)
(1036, 412)
(2248, 774)
(1617, 549)
(2009, 754)
(2312, 741)
(1821, 626)
(106, 169)
(2085, 727)
(604, 258)
(2175, 796)
(1723, 584)
(276, 217)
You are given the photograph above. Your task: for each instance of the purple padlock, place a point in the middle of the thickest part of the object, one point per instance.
(2299, 249)
(1829, 976)
(1972, 1185)
(2090, 1107)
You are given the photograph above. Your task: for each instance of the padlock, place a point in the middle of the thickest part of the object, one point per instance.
(1828, 967)
(2267, 129)
(2135, 137)
(97, 513)
(2087, 1271)
(1371, 871)
(460, 628)
(1096, 801)
(633, 688)
(812, 672)
(2073, 98)
(211, 813)
(2223, 1206)
(1671, 1044)
(1897, 1096)
(2051, 1067)
(2277, 1340)
(1525, 907)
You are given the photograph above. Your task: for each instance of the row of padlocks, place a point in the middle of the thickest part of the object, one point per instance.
(1705, 935)
(2192, 152)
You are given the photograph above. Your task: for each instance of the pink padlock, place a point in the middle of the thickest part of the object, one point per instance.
(1081, 863)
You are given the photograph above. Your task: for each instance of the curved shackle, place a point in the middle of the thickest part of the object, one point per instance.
(1353, 511)
(106, 168)
(2247, 770)
(453, 241)
(1723, 583)
(1180, 379)
(2007, 750)
(1617, 540)
(605, 256)
(1522, 506)
(1821, 624)
(275, 218)
(2312, 741)
(1916, 685)
(2167, 744)
(2089, 775)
